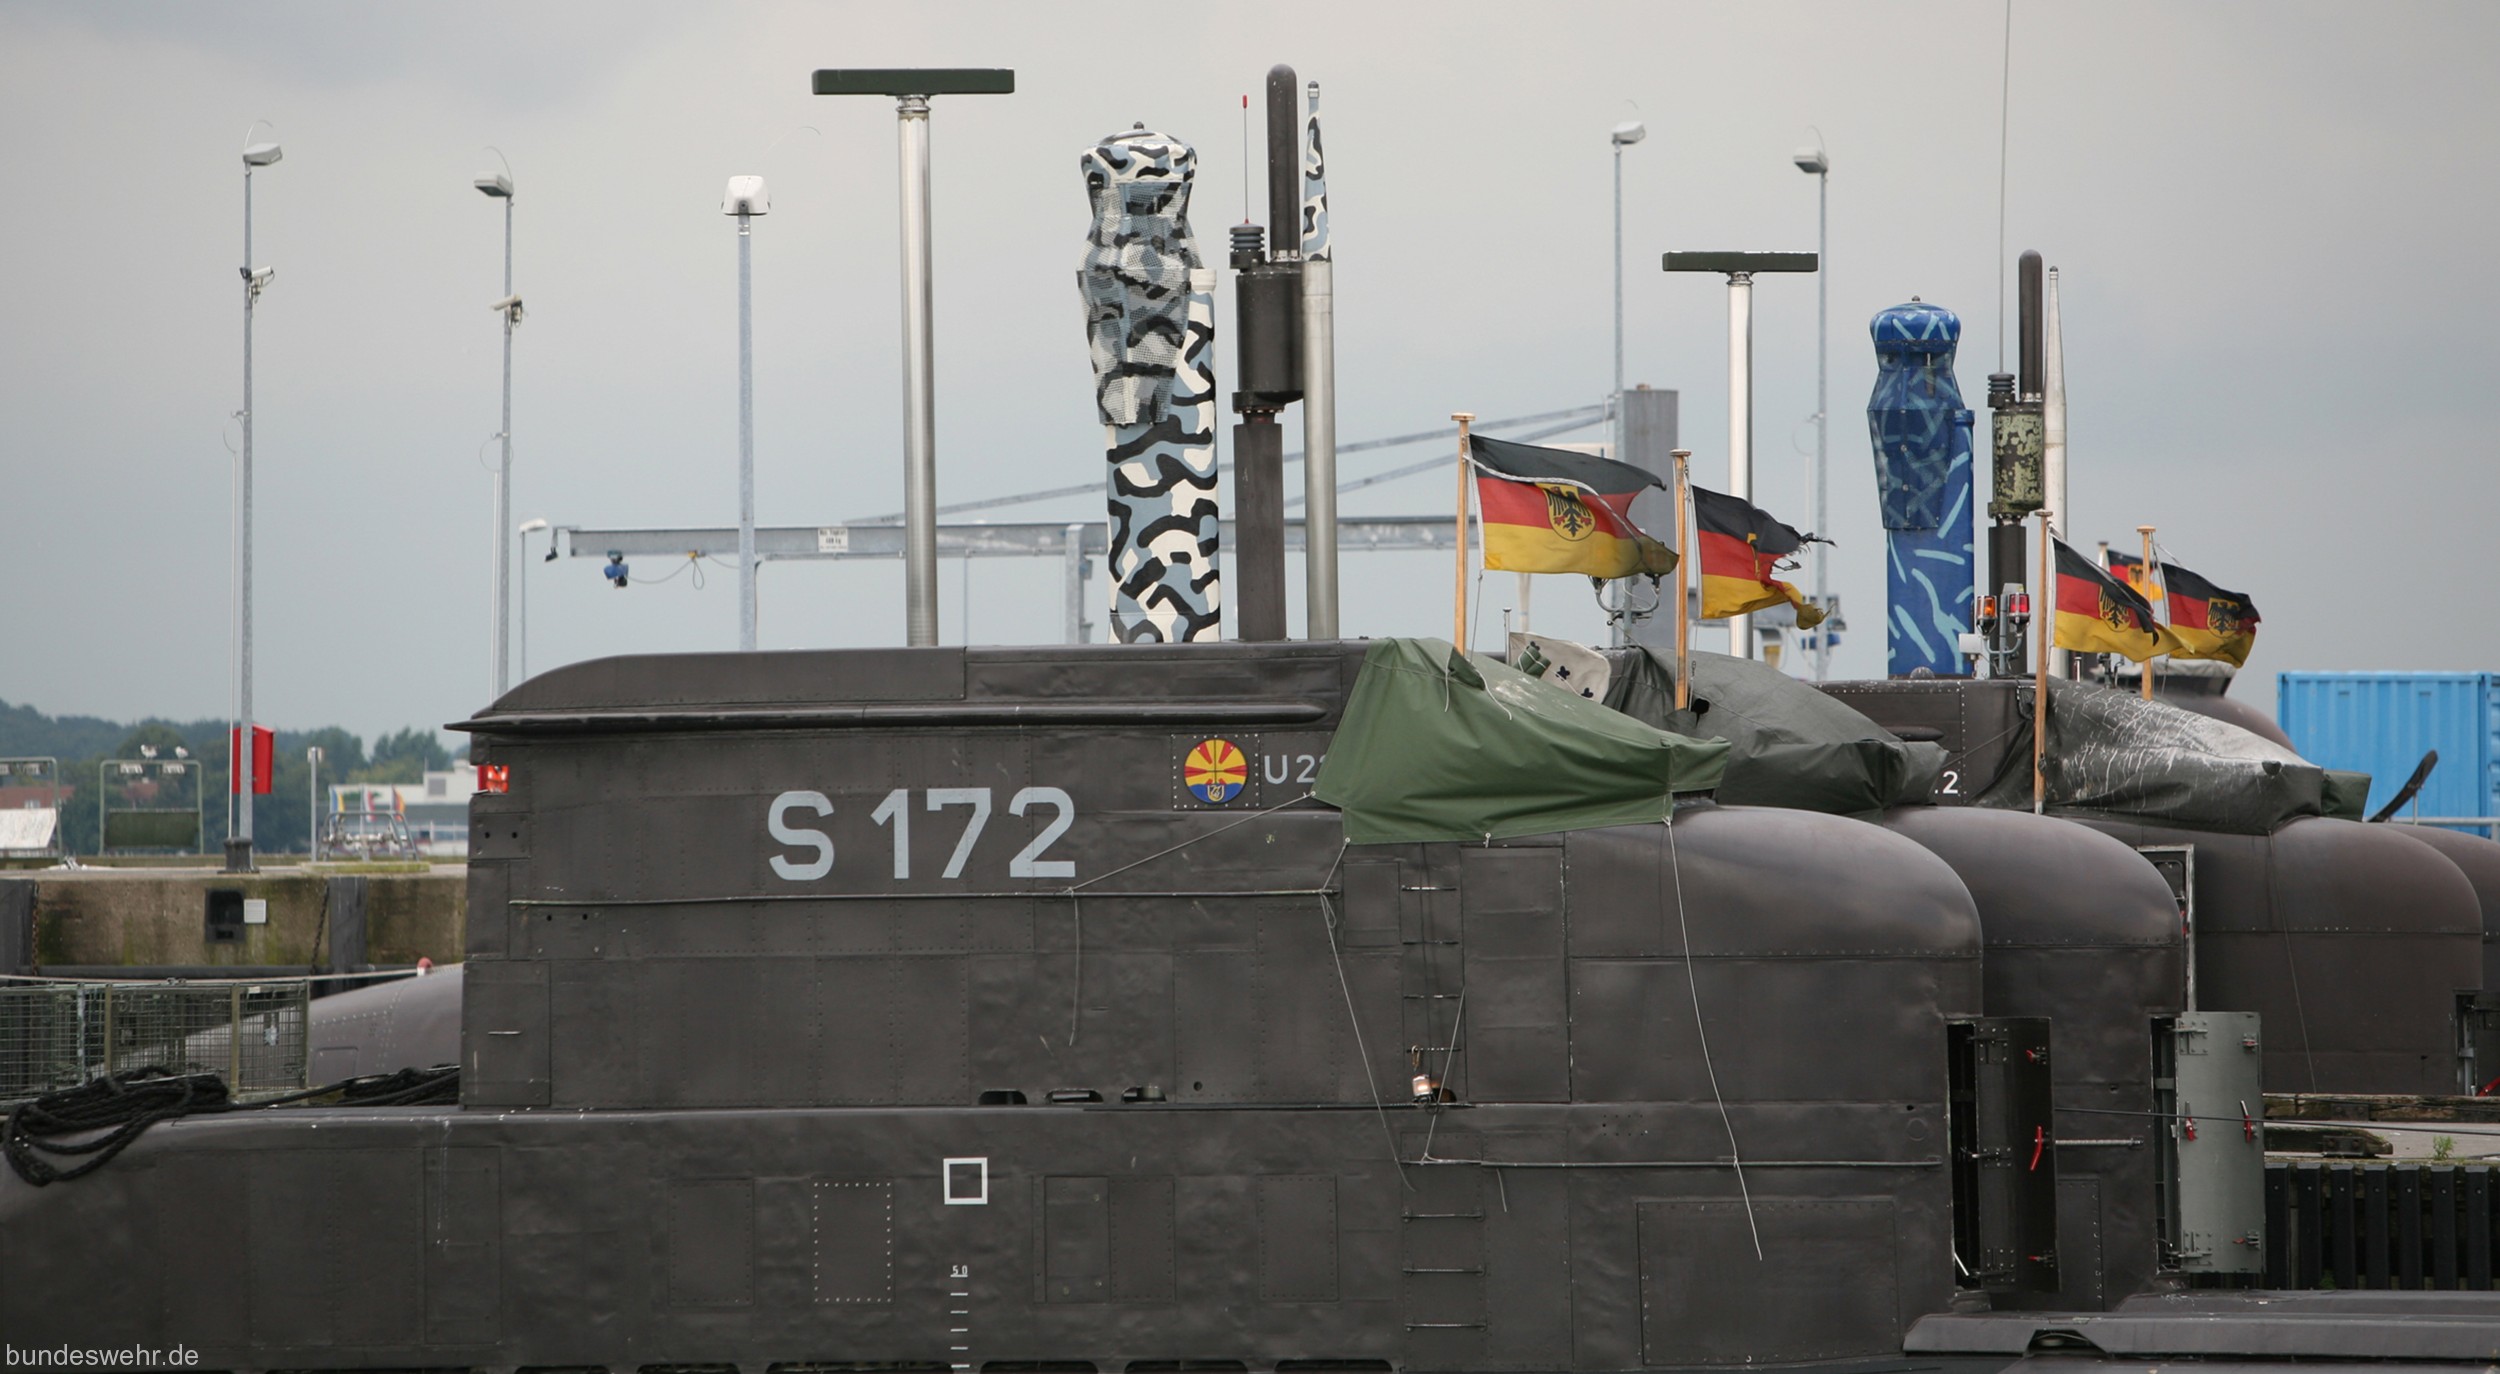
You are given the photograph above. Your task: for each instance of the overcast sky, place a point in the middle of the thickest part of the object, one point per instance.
(2273, 223)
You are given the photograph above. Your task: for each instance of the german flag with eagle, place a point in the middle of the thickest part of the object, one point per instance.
(1740, 547)
(2099, 614)
(2208, 621)
(2130, 569)
(1548, 510)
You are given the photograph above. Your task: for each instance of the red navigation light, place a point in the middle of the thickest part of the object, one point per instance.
(494, 777)
(2021, 605)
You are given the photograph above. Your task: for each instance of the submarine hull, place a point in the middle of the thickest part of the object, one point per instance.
(1072, 1236)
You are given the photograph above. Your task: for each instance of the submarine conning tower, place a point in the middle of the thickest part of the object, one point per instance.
(2081, 930)
(1041, 962)
(2360, 946)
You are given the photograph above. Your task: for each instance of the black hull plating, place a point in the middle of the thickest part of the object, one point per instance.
(1109, 1235)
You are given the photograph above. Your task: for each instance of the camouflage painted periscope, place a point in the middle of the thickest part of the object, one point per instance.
(1150, 318)
(1921, 434)
(1314, 185)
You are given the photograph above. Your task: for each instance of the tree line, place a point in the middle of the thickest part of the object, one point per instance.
(281, 820)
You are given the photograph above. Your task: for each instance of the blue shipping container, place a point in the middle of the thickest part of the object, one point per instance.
(2382, 724)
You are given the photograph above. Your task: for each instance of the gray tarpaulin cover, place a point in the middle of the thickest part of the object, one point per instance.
(2113, 751)
(1789, 744)
(1437, 746)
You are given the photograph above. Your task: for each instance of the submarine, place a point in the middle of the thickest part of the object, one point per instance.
(1012, 1009)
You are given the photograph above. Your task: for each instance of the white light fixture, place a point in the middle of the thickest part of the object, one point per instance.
(262, 154)
(1812, 160)
(498, 186)
(1629, 132)
(532, 526)
(746, 196)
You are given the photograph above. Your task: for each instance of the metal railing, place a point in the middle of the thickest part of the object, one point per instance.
(59, 1035)
(368, 835)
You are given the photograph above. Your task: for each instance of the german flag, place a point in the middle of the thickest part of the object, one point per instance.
(2098, 614)
(1740, 547)
(2130, 569)
(1547, 510)
(2208, 621)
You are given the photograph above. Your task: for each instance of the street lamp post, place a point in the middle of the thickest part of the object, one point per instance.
(746, 198)
(1818, 164)
(239, 840)
(1624, 136)
(528, 528)
(500, 188)
(312, 802)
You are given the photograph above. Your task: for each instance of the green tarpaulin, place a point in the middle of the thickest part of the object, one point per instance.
(1437, 746)
(1791, 745)
(2346, 795)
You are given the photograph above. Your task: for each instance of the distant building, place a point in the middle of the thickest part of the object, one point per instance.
(30, 819)
(436, 807)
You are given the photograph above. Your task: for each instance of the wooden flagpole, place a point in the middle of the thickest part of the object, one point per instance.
(1458, 626)
(2152, 577)
(2044, 619)
(1683, 557)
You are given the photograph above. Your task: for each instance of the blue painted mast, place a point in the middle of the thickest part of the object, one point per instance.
(1921, 433)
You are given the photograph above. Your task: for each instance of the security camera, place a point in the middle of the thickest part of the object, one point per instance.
(509, 307)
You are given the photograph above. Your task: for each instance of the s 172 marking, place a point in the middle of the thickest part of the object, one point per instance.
(787, 821)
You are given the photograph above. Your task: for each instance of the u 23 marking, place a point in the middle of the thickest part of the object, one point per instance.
(1278, 769)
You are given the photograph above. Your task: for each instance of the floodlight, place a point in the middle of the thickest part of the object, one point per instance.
(1629, 132)
(498, 185)
(746, 196)
(1812, 160)
(262, 154)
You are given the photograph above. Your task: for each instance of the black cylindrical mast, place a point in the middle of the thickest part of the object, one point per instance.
(1267, 314)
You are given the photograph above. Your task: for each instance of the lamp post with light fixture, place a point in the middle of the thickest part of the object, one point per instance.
(1624, 136)
(255, 279)
(746, 198)
(1818, 164)
(500, 187)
